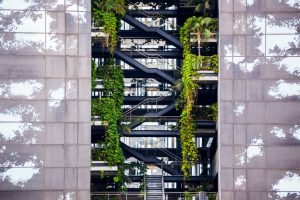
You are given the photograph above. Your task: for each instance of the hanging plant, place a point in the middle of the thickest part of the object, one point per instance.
(201, 27)
(187, 125)
(94, 75)
(108, 14)
(214, 112)
(109, 108)
(113, 83)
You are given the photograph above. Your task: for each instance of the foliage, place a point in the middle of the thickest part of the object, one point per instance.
(188, 196)
(109, 108)
(141, 167)
(212, 196)
(204, 25)
(208, 113)
(113, 83)
(108, 112)
(112, 6)
(94, 74)
(191, 64)
(108, 13)
(214, 63)
(109, 23)
(209, 63)
(202, 7)
(187, 125)
(214, 112)
(110, 150)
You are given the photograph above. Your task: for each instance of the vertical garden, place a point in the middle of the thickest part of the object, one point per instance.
(107, 14)
(198, 29)
(194, 34)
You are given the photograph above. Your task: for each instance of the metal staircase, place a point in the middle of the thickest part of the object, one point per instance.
(134, 22)
(149, 101)
(137, 65)
(153, 101)
(154, 187)
(149, 159)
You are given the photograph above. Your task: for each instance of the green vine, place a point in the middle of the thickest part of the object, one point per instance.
(202, 28)
(187, 125)
(209, 63)
(187, 196)
(214, 112)
(108, 14)
(109, 108)
(94, 75)
(112, 76)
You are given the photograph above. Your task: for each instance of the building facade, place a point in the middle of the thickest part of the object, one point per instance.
(259, 112)
(45, 100)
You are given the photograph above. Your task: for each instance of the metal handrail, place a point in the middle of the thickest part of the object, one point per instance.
(171, 154)
(156, 56)
(150, 55)
(128, 194)
(155, 100)
(135, 107)
(146, 15)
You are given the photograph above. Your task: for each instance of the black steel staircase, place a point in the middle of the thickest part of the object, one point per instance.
(148, 159)
(137, 65)
(134, 22)
(154, 187)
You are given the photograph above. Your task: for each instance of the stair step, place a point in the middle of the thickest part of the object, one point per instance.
(154, 187)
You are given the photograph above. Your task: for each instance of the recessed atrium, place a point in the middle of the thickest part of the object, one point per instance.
(159, 68)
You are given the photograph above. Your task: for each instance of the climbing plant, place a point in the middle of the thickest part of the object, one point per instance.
(94, 74)
(214, 112)
(187, 125)
(208, 63)
(108, 14)
(109, 108)
(112, 77)
(202, 28)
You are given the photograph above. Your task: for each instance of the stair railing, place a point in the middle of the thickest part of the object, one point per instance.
(144, 103)
(171, 154)
(157, 14)
(157, 56)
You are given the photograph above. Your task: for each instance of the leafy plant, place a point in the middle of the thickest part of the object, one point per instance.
(214, 112)
(202, 6)
(94, 74)
(212, 196)
(112, 6)
(203, 28)
(109, 108)
(187, 196)
(187, 125)
(108, 14)
(113, 83)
